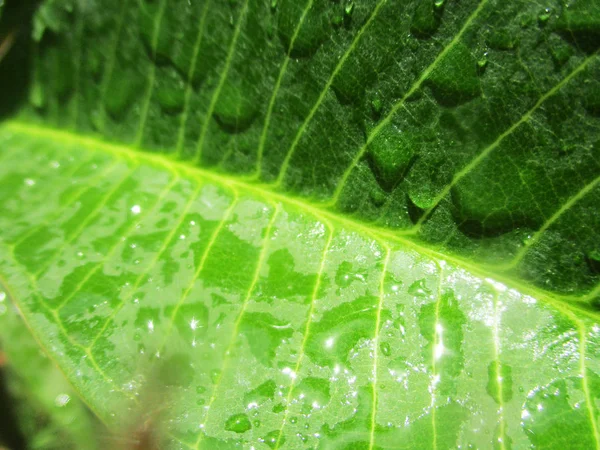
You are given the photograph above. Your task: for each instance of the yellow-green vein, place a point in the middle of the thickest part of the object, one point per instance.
(85, 222)
(152, 76)
(338, 67)
(286, 61)
(384, 271)
(548, 223)
(209, 246)
(490, 148)
(238, 320)
(120, 240)
(157, 255)
(189, 86)
(498, 372)
(70, 200)
(306, 333)
(437, 341)
(416, 85)
(110, 65)
(221, 83)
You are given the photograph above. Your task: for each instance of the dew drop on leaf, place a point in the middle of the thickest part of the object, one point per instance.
(385, 348)
(272, 437)
(419, 288)
(238, 423)
(544, 15)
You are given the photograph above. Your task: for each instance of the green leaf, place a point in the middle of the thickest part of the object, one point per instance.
(318, 224)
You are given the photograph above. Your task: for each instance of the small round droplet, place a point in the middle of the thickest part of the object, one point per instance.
(385, 348)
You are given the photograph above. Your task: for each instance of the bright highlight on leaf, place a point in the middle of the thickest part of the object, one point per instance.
(309, 224)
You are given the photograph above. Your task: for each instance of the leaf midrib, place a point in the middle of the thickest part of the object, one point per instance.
(563, 303)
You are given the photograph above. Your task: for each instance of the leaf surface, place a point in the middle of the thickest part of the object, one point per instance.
(320, 224)
(272, 321)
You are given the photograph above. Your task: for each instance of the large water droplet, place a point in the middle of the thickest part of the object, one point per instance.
(238, 423)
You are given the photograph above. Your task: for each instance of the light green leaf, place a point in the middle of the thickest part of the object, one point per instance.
(367, 224)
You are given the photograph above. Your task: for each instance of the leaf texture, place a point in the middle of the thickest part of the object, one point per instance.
(275, 324)
(334, 225)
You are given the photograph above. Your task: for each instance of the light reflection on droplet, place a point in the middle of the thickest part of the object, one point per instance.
(29, 181)
(150, 326)
(62, 400)
(288, 371)
(439, 349)
(329, 342)
(136, 209)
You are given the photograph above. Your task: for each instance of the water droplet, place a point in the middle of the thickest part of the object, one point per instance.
(377, 106)
(256, 423)
(272, 437)
(214, 375)
(200, 390)
(293, 420)
(385, 348)
(349, 8)
(345, 275)
(238, 423)
(439, 3)
(544, 15)
(482, 63)
(419, 288)
(136, 209)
